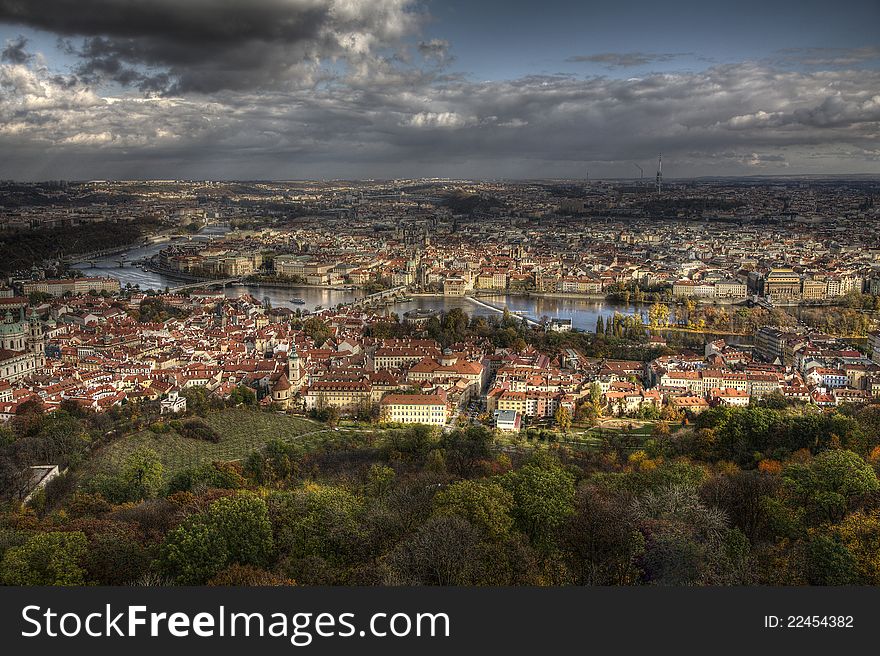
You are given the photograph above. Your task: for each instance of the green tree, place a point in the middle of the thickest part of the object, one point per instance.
(234, 529)
(242, 395)
(317, 523)
(845, 473)
(142, 474)
(466, 448)
(543, 498)
(380, 479)
(317, 329)
(221, 475)
(829, 562)
(52, 558)
(197, 399)
(485, 504)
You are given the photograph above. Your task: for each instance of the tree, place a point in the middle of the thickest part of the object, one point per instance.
(661, 429)
(689, 306)
(142, 474)
(140, 477)
(52, 558)
(317, 329)
(247, 575)
(829, 562)
(600, 325)
(317, 521)
(413, 443)
(601, 539)
(380, 479)
(193, 552)
(845, 473)
(118, 555)
(543, 498)
(220, 475)
(242, 395)
(688, 541)
(197, 399)
(859, 533)
(466, 448)
(743, 496)
(562, 417)
(658, 315)
(596, 394)
(234, 529)
(445, 550)
(485, 504)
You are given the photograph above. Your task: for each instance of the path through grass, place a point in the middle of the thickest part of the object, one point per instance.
(241, 431)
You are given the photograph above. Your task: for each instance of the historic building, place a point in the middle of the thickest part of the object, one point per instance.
(22, 346)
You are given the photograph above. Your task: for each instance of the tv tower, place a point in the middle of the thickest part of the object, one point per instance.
(659, 172)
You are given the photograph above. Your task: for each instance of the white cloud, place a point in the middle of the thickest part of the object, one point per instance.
(438, 120)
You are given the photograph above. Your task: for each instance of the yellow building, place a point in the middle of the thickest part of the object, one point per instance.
(428, 409)
(782, 284)
(346, 395)
(455, 286)
(814, 290)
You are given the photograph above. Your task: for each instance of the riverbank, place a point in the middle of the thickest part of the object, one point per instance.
(85, 258)
(696, 331)
(244, 282)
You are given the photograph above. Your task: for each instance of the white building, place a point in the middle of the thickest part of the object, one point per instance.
(173, 403)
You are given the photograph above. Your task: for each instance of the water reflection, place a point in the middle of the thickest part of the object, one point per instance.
(582, 312)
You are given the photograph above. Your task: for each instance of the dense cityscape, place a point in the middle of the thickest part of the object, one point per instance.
(311, 307)
(466, 329)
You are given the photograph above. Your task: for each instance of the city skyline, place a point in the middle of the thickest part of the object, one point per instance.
(305, 89)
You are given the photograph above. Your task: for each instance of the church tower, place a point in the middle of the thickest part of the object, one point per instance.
(36, 341)
(293, 367)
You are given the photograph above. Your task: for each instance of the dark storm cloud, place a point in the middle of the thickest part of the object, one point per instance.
(15, 53)
(209, 45)
(390, 120)
(313, 88)
(625, 59)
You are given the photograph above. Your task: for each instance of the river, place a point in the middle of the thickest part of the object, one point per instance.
(582, 312)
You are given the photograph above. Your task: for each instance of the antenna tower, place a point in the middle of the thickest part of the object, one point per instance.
(659, 172)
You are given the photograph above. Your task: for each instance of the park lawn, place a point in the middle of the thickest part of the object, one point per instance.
(241, 431)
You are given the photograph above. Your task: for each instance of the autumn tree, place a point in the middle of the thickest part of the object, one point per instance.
(562, 417)
(317, 525)
(658, 315)
(859, 532)
(445, 550)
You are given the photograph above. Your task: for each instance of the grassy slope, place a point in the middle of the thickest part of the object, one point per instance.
(241, 432)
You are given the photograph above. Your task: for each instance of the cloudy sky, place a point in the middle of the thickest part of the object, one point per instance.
(310, 89)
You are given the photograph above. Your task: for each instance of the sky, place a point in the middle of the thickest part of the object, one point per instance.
(377, 89)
